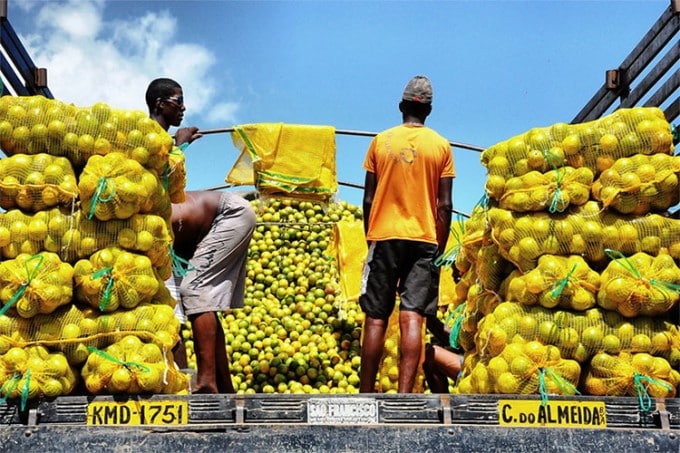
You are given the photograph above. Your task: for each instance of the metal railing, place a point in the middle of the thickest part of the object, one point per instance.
(619, 82)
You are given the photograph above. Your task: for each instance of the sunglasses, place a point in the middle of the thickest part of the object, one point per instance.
(177, 100)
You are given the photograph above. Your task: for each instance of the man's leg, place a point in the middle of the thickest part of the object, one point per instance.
(438, 366)
(371, 352)
(179, 353)
(224, 383)
(410, 345)
(204, 327)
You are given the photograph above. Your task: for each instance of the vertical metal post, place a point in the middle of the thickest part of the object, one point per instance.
(3, 9)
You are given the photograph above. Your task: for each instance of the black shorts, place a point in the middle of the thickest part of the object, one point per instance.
(400, 267)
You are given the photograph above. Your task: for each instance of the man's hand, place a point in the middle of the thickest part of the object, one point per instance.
(187, 135)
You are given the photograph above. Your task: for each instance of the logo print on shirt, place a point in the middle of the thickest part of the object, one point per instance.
(408, 155)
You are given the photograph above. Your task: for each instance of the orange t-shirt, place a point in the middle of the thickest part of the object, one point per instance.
(408, 161)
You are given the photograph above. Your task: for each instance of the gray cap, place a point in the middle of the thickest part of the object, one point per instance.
(418, 89)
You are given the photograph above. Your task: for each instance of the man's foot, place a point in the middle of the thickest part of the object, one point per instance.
(204, 390)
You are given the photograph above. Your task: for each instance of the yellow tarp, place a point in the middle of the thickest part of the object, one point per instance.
(348, 246)
(286, 159)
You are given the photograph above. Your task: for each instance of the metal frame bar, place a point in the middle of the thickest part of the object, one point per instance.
(349, 132)
(34, 79)
(661, 33)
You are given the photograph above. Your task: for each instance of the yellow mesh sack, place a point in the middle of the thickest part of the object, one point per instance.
(557, 281)
(578, 335)
(348, 247)
(286, 159)
(491, 268)
(640, 374)
(176, 175)
(34, 372)
(586, 230)
(476, 233)
(36, 182)
(35, 124)
(33, 284)
(72, 236)
(446, 261)
(117, 187)
(113, 278)
(640, 285)
(480, 302)
(639, 184)
(74, 329)
(554, 190)
(133, 367)
(528, 368)
(593, 144)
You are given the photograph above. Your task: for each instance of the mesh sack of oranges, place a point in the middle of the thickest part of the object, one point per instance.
(69, 329)
(578, 335)
(36, 182)
(640, 284)
(146, 234)
(454, 317)
(175, 176)
(32, 284)
(475, 234)
(117, 187)
(526, 368)
(557, 281)
(53, 230)
(512, 322)
(593, 144)
(585, 230)
(286, 160)
(113, 278)
(626, 374)
(554, 190)
(133, 367)
(34, 372)
(480, 302)
(72, 236)
(639, 184)
(35, 124)
(446, 263)
(491, 268)
(72, 329)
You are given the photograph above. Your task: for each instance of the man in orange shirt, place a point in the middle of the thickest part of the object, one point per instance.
(407, 216)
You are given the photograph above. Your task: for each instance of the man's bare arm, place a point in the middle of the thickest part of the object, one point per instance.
(444, 207)
(369, 191)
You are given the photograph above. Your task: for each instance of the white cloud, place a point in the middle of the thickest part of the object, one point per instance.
(74, 20)
(92, 59)
(223, 114)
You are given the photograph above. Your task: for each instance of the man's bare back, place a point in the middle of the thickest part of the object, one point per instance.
(192, 220)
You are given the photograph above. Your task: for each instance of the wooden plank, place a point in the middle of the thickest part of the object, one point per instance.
(14, 81)
(22, 61)
(672, 112)
(664, 92)
(663, 28)
(647, 83)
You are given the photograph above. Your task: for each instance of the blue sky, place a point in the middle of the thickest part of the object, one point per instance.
(499, 68)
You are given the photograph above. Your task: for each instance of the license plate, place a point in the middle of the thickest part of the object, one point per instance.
(561, 414)
(132, 412)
